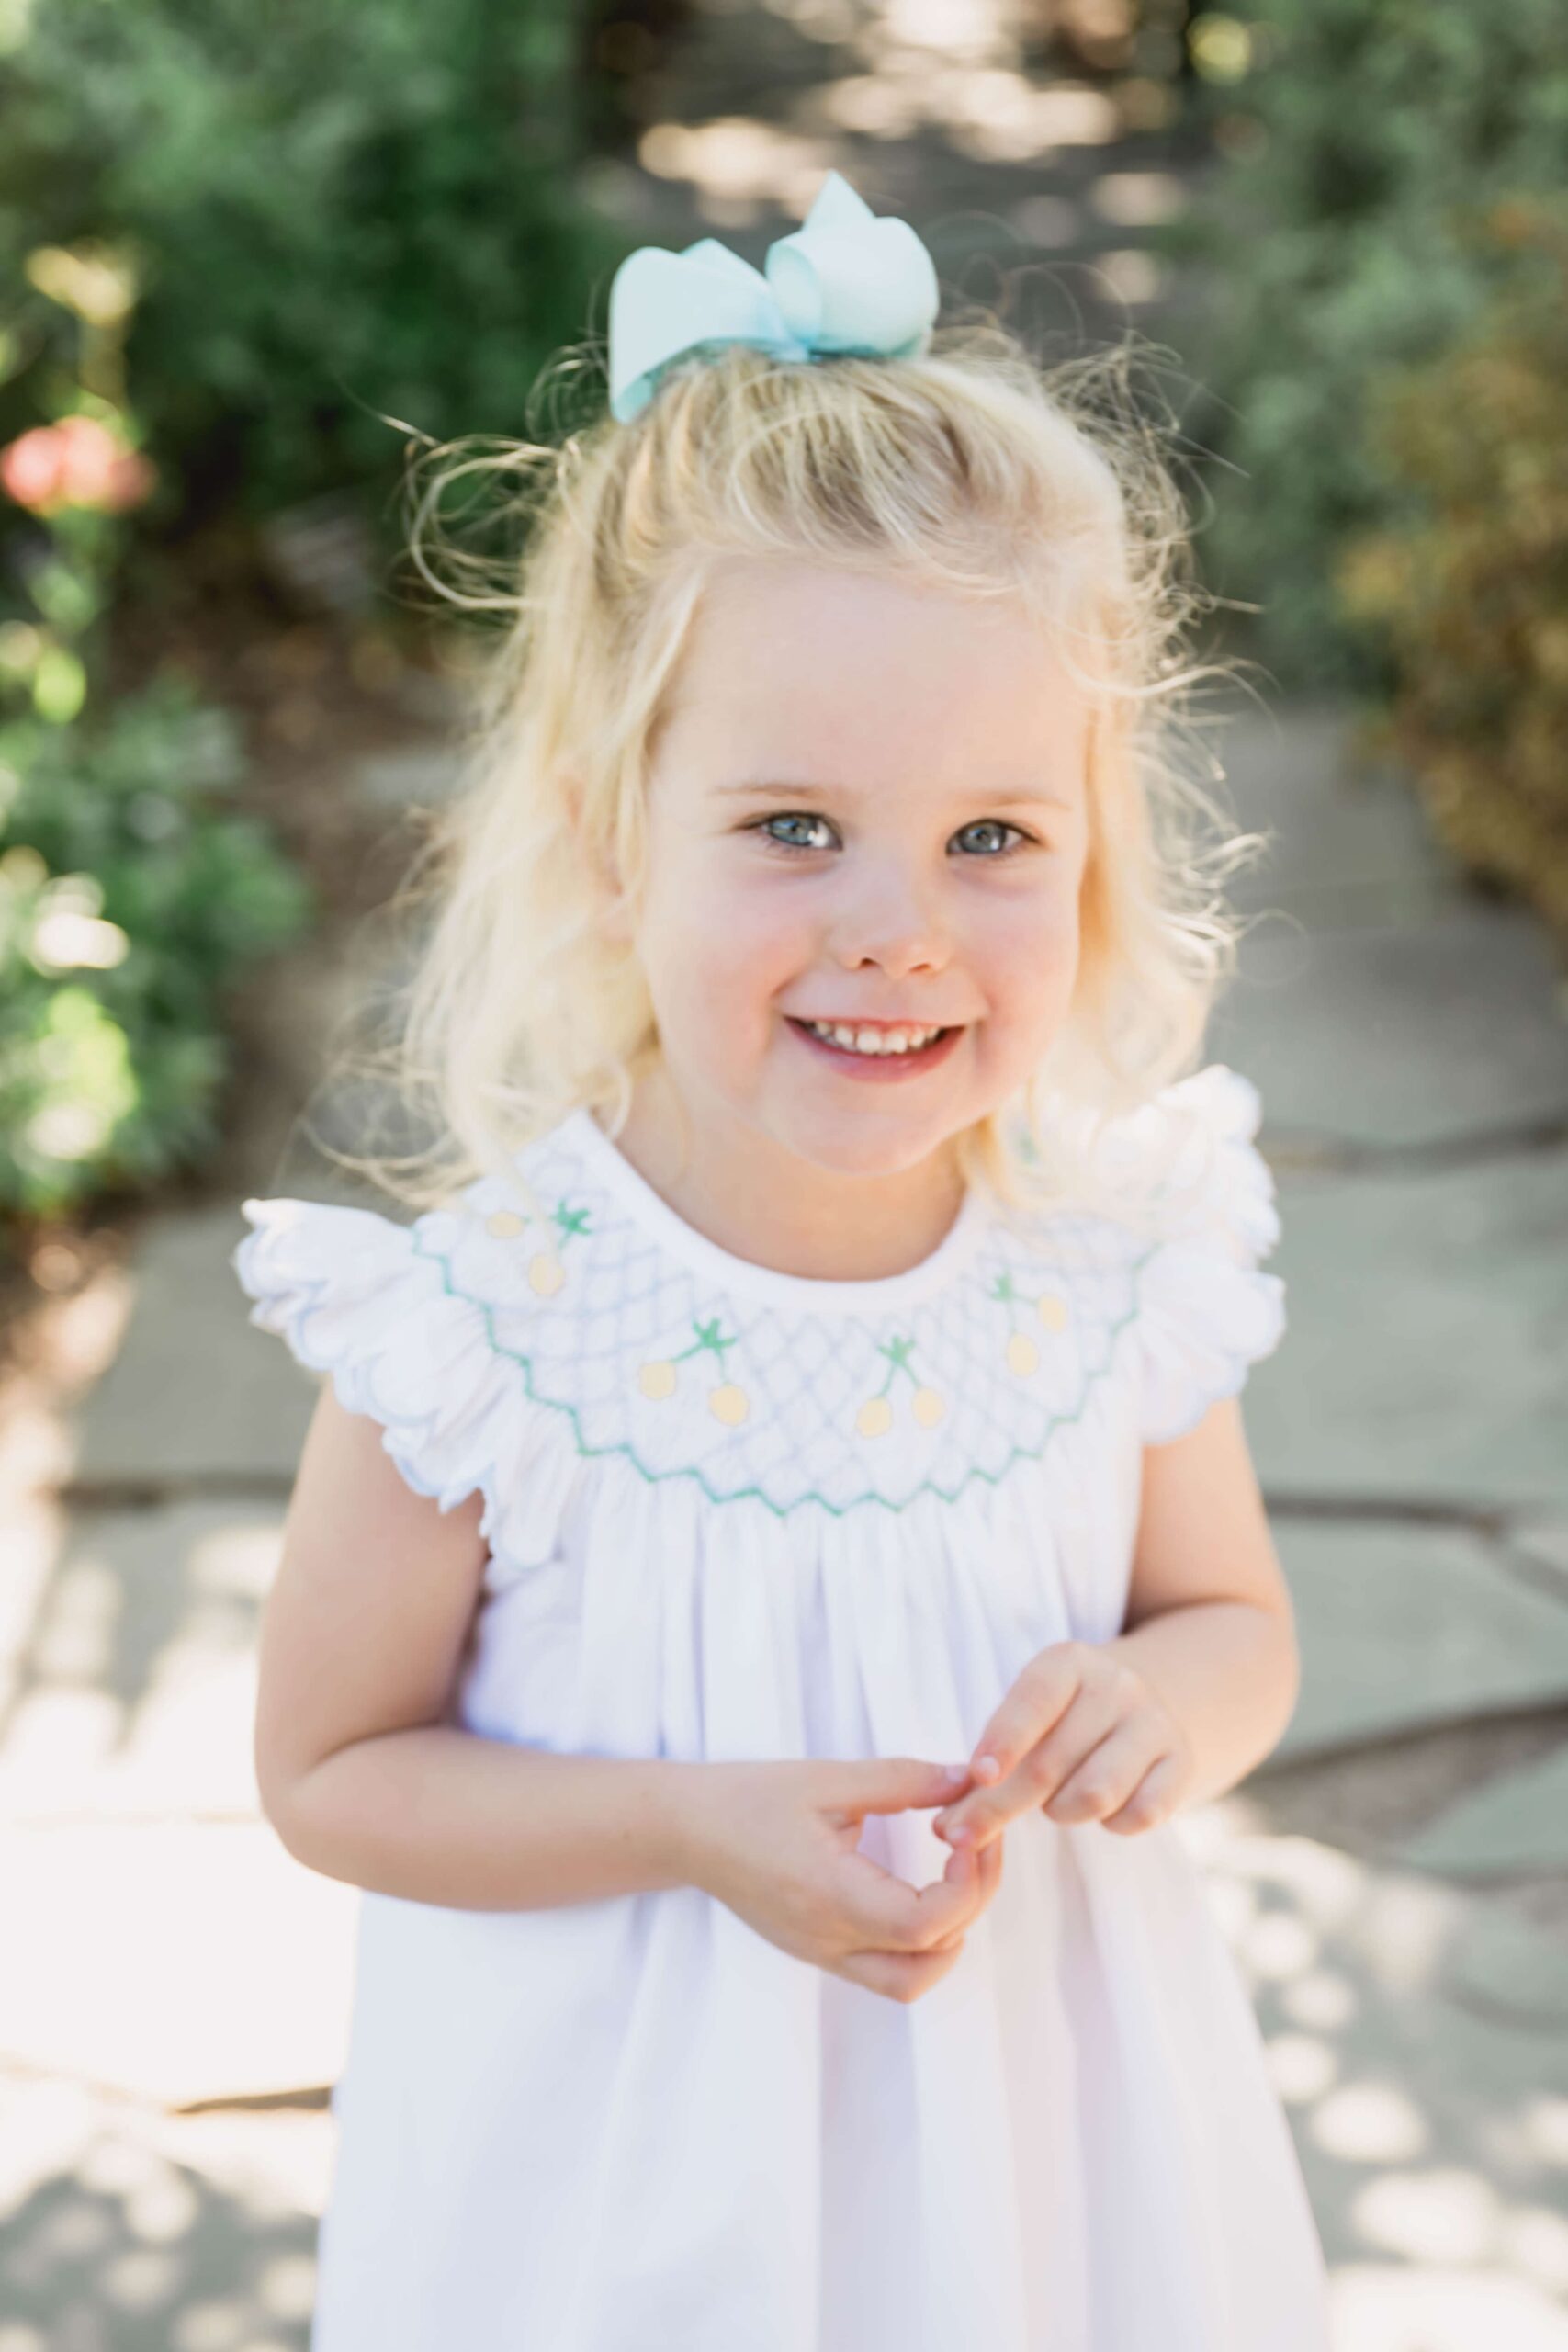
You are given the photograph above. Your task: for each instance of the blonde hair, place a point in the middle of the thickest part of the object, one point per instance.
(972, 468)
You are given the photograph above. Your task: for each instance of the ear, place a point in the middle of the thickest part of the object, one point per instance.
(614, 917)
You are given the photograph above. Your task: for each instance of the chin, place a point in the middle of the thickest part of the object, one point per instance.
(868, 1147)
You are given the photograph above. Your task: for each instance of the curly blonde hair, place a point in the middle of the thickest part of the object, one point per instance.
(972, 468)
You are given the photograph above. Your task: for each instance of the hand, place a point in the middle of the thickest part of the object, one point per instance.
(1082, 1736)
(777, 1844)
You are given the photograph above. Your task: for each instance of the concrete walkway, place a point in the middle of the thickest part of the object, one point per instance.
(1395, 1881)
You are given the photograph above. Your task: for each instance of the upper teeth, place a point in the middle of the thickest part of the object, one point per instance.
(874, 1041)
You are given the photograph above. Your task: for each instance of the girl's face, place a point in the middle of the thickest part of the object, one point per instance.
(867, 806)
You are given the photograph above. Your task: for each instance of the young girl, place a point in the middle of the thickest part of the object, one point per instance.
(793, 1456)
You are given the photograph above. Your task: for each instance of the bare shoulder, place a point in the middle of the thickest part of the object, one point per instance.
(365, 1622)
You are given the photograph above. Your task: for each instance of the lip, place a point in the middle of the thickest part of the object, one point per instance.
(878, 1069)
(864, 1020)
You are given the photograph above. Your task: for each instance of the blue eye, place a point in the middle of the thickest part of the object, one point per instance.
(798, 816)
(995, 825)
(794, 818)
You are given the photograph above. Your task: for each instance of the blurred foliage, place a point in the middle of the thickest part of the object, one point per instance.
(1471, 586)
(245, 256)
(623, 48)
(328, 213)
(129, 897)
(1360, 136)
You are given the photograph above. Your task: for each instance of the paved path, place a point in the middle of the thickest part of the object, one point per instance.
(1393, 1882)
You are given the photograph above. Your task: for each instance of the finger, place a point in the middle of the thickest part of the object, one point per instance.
(894, 1785)
(982, 1882)
(904, 1977)
(887, 1914)
(988, 1870)
(1153, 1801)
(1105, 1775)
(1094, 1713)
(1042, 1692)
(901, 1976)
(1106, 1779)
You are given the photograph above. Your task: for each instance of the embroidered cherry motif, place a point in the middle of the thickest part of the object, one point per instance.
(656, 1378)
(875, 1416)
(1022, 1353)
(545, 1272)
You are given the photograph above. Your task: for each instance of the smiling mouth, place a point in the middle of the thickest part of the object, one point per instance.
(880, 1043)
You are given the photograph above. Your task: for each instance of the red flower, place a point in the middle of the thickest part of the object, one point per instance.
(78, 462)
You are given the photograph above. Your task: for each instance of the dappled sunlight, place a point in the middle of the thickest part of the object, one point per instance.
(1543, 2123)
(1131, 274)
(1369, 2123)
(1443, 2309)
(1000, 117)
(1445, 2214)
(877, 106)
(120, 2220)
(1137, 199)
(75, 1641)
(173, 1960)
(947, 28)
(958, 72)
(1302, 2067)
(736, 161)
(1434, 2140)
(988, 113)
(133, 1689)
(833, 22)
(1323, 1998)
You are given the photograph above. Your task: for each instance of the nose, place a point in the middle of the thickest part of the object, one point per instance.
(889, 917)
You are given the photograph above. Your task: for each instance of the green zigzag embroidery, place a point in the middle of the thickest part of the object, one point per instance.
(742, 1494)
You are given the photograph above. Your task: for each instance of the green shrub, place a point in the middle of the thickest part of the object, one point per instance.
(129, 897)
(235, 243)
(330, 213)
(1363, 132)
(1470, 588)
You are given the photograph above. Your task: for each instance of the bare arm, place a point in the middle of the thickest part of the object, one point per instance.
(1210, 1620)
(362, 1636)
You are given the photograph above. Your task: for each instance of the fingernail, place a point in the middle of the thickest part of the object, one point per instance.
(956, 1771)
(958, 1835)
(984, 1766)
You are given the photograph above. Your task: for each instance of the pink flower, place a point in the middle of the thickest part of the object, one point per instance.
(78, 462)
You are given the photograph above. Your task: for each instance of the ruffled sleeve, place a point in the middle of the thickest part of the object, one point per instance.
(371, 1303)
(1207, 1310)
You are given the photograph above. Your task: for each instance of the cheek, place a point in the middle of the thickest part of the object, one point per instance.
(726, 939)
(1026, 949)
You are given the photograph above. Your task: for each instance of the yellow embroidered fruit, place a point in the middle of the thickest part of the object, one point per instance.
(505, 1225)
(656, 1378)
(546, 1273)
(929, 1408)
(728, 1403)
(874, 1416)
(1053, 1311)
(1022, 1354)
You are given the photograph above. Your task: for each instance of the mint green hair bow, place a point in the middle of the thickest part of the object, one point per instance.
(845, 281)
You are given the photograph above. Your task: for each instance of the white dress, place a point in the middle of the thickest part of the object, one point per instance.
(738, 1513)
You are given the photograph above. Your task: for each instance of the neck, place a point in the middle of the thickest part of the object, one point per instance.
(748, 1195)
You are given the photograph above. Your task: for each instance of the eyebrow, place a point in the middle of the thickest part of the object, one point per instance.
(994, 797)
